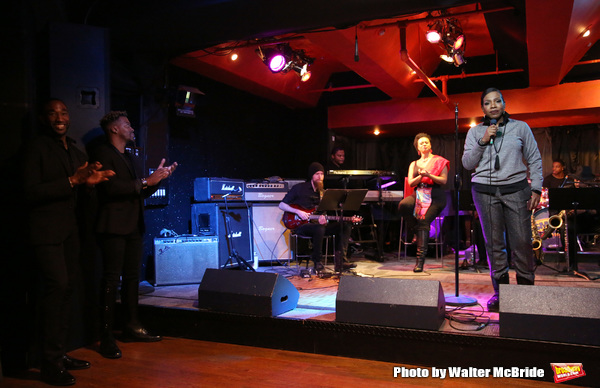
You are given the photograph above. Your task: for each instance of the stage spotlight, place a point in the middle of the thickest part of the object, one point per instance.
(282, 58)
(453, 34)
(302, 71)
(458, 59)
(447, 58)
(274, 58)
(449, 34)
(434, 34)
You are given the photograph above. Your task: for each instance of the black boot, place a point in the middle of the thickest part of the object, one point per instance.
(422, 241)
(340, 264)
(133, 331)
(108, 345)
(493, 305)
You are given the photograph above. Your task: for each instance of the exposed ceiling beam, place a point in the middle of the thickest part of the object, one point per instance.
(567, 104)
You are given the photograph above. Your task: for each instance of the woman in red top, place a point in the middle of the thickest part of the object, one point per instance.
(426, 175)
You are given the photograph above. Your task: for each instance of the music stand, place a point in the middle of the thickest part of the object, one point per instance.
(339, 200)
(573, 199)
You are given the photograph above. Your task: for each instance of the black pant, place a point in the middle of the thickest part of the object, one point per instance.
(317, 232)
(122, 256)
(58, 265)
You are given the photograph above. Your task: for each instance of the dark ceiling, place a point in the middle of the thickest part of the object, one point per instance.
(516, 45)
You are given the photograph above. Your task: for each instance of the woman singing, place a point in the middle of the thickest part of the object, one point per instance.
(501, 151)
(426, 174)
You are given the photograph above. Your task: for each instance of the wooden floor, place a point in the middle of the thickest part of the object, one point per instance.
(176, 362)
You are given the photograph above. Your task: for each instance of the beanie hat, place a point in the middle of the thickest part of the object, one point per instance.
(313, 168)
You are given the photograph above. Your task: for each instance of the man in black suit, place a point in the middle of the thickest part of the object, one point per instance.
(120, 228)
(55, 175)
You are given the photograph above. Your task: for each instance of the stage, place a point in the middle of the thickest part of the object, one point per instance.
(468, 336)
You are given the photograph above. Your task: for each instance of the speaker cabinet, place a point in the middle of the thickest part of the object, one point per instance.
(250, 293)
(208, 219)
(406, 303)
(205, 219)
(183, 260)
(548, 313)
(270, 237)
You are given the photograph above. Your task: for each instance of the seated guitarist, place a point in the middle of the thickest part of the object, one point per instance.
(304, 198)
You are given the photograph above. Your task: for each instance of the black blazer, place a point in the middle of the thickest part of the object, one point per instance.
(51, 201)
(121, 198)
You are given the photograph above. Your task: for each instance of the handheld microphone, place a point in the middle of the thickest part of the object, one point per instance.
(492, 122)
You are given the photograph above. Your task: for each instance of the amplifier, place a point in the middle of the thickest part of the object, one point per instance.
(260, 192)
(218, 189)
(183, 260)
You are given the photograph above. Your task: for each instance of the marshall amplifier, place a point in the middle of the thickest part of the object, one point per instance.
(183, 260)
(218, 189)
(209, 219)
(265, 192)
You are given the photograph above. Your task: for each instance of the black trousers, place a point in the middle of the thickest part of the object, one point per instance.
(121, 258)
(317, 232)
(58, 266)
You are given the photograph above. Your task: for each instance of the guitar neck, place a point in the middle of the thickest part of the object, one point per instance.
(331, 218)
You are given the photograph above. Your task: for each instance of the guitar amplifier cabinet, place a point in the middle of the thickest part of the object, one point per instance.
(183, 260)
(218, 189)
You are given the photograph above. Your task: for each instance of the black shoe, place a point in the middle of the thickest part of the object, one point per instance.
(57, 376)
(345, 267)
(109, 349)
(71, 363)
(139, 334)
(493, 305)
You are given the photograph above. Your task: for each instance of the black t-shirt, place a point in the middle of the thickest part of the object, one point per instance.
(551, 182)
(303, 195)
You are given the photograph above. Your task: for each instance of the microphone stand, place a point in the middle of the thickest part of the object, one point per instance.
(242, 263)
(457, 300)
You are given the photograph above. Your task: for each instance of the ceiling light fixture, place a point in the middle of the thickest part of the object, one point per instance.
(449, 34)
(434, 34)
(282, 58)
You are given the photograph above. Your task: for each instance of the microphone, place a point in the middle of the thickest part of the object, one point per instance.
(492, 122)
(355, 45)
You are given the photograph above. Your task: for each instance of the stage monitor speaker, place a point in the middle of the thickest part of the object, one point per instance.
(550, 313)
(183, 260)
(271, 238)
(406, 303)
(250, 293)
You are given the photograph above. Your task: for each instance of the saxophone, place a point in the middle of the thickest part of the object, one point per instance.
(556, 221)
(536, 241)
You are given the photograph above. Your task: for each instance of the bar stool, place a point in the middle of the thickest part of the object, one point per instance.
(436, 240)
(298, 257)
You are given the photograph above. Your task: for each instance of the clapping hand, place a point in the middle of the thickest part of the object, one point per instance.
(161, 173)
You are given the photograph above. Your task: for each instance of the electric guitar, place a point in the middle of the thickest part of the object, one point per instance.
(292, 221)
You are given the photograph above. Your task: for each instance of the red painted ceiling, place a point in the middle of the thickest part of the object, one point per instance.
(531, 49)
